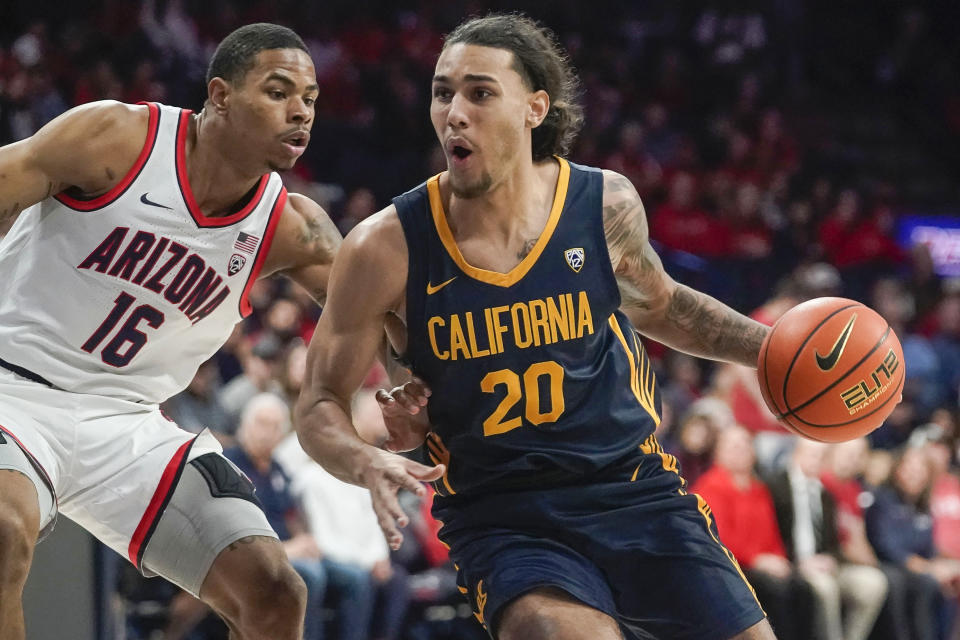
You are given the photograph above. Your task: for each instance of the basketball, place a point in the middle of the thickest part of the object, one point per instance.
(831, 369)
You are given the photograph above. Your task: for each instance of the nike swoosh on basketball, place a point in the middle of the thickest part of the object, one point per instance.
(431, 289)
(145, 200)
(829, 361)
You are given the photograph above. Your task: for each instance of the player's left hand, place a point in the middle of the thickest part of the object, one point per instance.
(405, 415)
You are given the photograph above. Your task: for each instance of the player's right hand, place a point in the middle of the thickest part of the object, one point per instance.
(405, 415)
(384, 476)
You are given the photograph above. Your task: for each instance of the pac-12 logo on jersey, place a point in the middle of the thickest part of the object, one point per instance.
(574, 258)
(236, 263)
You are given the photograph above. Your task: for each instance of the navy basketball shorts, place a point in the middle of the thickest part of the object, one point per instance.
(632, 544)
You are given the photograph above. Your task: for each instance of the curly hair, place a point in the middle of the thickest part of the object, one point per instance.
(542, 64)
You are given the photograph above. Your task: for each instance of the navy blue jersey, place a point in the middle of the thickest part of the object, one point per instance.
(536, 376)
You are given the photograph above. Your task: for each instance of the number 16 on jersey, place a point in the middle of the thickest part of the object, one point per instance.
(128, 339)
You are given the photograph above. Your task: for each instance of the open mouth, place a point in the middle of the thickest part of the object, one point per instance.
(297, 140)
(296, 143)
(460, 152)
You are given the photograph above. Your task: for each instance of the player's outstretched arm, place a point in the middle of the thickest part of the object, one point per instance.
(367, 282)
(90, 147)
(659, 307)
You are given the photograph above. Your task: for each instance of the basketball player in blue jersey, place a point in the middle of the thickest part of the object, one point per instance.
(139, 231)
(511, 284)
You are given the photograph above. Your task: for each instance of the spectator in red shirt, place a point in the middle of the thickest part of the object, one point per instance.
(776, 150)
(845, 463)
(850, 239)
(680, 224)
(745, 517)
(944, 493)
(750, 238)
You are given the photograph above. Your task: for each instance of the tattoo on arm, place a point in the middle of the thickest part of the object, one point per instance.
(9, 213)
(718, 330)
(320, 239)
(320, 236)
(674, 314)
(636, 265)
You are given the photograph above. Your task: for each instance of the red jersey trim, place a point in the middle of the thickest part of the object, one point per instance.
(245, 308)
(120, 188)
(158, 503)
(187, 192)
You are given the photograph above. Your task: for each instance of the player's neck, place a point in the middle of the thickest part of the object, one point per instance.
(512, 209)
(219, 178)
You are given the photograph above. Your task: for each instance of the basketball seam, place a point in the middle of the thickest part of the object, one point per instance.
(786, 378)
(793, 410)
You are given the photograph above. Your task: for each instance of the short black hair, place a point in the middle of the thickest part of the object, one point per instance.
(542, 64)
(235, 54)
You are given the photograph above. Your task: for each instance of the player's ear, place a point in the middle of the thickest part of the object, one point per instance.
(218, 92)
(538, 105)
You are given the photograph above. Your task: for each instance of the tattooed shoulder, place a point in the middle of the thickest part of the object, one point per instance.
(624, 220)
(317, 233)
(637, 267)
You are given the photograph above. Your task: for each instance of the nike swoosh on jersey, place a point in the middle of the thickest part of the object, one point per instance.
(829, 361)
(146, 200)
(431, 289)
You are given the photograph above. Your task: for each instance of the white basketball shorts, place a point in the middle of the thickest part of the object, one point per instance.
(113, 466)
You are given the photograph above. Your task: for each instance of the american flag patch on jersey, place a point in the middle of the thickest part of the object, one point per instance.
(246, 242)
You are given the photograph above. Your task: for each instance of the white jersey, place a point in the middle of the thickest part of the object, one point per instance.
(126, 294)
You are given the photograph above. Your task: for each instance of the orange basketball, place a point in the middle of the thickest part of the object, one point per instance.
(831, 369)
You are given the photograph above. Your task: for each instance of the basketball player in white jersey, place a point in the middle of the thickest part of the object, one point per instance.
(139, 231)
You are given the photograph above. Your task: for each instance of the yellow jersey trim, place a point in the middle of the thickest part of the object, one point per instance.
(706, 513)
(643, 394)
(495, 277)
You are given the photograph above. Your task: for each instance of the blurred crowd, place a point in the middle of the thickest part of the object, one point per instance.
(775, 145)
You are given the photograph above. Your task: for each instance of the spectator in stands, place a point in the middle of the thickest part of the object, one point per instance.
(682, 225)
(846, 462)
(693, 446)
(265, 422)
(900, 528)
(807, 518)
(944, 490)
(891, 299)
(745, 517)
(362, 580)
(283, 320)
(750, 239)
(739, 387)
(946, 344)
(926, 286)
(683, 382)
(631, 159)
(197, 407)
(360, 205)
(260, 368)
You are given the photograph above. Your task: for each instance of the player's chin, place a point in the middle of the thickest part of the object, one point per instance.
(282, 165)
(467, 187)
